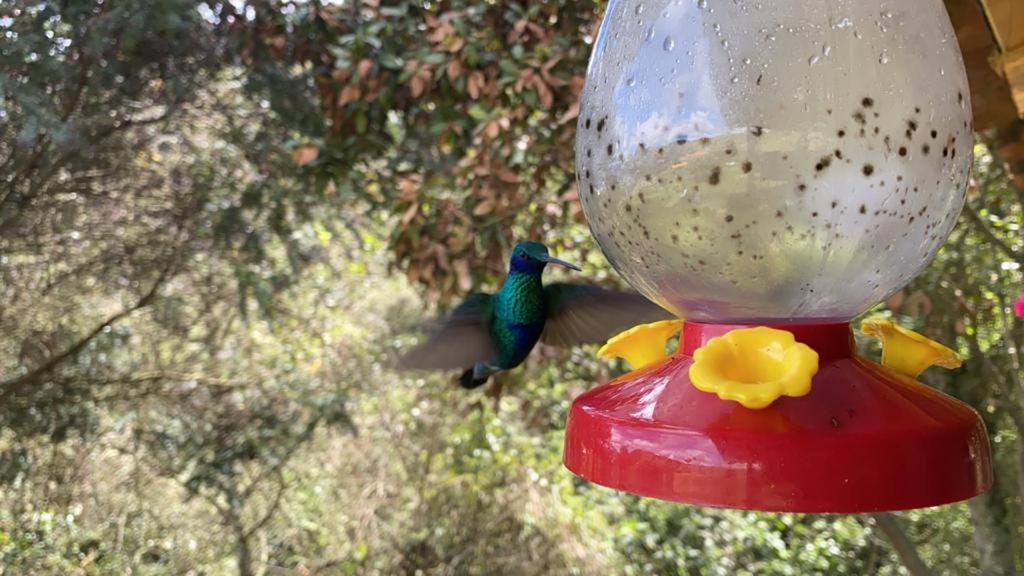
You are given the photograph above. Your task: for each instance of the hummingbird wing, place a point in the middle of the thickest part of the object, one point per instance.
(458, 340)
(581, 314)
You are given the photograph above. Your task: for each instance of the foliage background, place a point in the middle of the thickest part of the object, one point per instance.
(220, 221)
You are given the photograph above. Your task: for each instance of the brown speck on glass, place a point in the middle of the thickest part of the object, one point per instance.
(841, 133)
(587, 124)
(863, 209)
(600, 124)
(868, 169)
(926, 149)
(715, 177)
(756, 130)
(867, 102)
(747, 167)
(902, 151)
(728, 217)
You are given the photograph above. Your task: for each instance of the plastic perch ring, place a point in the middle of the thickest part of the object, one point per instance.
(641, 345)
(754, 366)
(906, 351)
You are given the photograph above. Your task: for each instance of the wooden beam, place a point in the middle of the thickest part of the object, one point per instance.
(990, 95)
(1007, 20)
(1013, 67)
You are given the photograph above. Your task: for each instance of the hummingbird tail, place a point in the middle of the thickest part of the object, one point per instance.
(475, 377)
(469, 382)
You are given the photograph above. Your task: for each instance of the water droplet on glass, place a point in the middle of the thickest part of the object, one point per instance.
(735, 79)
(844, 23)
(883, 58)
(639, 9)
(826, 50)
(631, 81)
(746, 60)
(650, 33)
(812, 60)
(770, 38)
(702, 4)
(717, 27)
(668, 44)
(725, 43)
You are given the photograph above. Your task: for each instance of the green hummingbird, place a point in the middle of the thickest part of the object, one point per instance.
(488, 333)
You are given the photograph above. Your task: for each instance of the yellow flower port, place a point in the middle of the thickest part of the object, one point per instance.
(642, 345)
(906, 351)
(754, 366)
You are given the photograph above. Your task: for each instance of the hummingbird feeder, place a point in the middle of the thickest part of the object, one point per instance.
(767, 171)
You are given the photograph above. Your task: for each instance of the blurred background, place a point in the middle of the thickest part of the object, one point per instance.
(220, 222)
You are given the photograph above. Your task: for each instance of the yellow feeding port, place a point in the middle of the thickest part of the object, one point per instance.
(906, 351)
(641, 345)
(754, 366)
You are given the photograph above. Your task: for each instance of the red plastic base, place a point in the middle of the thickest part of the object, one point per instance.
(864, 439)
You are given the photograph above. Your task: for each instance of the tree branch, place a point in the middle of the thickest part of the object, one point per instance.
(10, 387)
(991, 236)
(904, 548)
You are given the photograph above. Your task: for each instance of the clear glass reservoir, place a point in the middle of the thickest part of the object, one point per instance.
(773, 160)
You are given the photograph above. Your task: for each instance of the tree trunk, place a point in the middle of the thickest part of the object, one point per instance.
(243, 554)
(991, 536)
(905, 549)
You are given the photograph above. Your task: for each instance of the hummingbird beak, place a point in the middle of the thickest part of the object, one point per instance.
(553, 260)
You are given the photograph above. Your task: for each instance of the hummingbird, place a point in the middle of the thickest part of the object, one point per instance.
(488, 333)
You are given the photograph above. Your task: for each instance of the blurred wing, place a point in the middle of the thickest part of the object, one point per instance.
(580, 314)
(458, 340)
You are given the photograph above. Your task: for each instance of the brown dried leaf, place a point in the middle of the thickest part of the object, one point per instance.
(303, 155)
(349, 93)
(570, 114)
(474, 84)
(417, 85)
(492, 130)
(484, 208)
(454, 69)
(506, 175)
(547, 98)
(896, 300)
(364, 67)
(462, 275)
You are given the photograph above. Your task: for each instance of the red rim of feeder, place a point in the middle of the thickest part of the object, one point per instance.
(864, 439)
